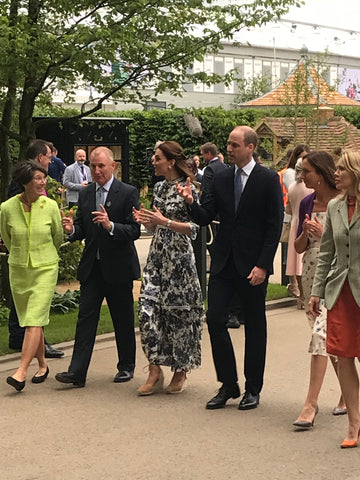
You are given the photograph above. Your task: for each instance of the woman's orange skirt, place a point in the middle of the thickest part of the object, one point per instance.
(343, 325)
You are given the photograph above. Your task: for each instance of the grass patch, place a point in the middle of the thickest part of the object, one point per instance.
(62, 326)
(276, 291)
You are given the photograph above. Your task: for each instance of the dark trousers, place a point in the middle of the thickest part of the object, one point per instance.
(121, 305)
(221, 290)
(16, 333)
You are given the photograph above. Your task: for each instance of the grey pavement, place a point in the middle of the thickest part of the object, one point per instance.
(105, 431)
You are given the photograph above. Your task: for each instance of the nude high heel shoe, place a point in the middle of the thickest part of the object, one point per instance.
(154, 383)
(178, 383)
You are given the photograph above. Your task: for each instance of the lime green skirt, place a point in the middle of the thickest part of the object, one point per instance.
(32, 290)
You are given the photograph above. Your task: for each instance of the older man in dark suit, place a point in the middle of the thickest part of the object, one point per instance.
(248, 199)
(108, 266)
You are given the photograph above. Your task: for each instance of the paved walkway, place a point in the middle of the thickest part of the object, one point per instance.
(106, 432)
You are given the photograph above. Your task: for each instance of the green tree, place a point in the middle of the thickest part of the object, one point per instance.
(299, 95)
(118, 47)
(251, 88)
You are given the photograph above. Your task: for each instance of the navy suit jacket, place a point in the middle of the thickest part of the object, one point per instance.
(118, 257)
(212, 169)
(251, 234)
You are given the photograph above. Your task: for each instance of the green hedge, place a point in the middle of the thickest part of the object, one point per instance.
(149, 126)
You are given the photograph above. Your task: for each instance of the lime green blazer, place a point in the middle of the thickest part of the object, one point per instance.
(339, 257)
(33, 239)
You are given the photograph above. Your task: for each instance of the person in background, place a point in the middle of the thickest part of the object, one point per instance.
(56, 166)
(337, 281)
(30, 225)
(209, 153)
(171, 309)
(318, 174)
(76, 177)
(297, 191)
(336, 153)
(287, 177)
(193, 163)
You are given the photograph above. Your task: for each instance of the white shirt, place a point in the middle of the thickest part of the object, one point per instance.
(246, 171)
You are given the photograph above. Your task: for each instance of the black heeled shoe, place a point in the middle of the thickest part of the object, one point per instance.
(15, 383)
(40, 378)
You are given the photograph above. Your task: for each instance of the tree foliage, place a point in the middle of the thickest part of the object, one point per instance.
(251, 88)
(59, 45)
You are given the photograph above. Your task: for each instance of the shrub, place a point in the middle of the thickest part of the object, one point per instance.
(4, 315)
(64, 302)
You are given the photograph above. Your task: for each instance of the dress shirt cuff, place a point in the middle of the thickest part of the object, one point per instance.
(69, 235)
(111, 231)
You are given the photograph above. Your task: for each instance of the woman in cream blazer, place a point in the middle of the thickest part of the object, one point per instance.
(337, 281)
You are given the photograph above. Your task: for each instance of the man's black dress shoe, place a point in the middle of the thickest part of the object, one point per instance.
(123, 376)
(249, 401)
(15, 383)
(233, 321)
(69, 377)
(40, 378)
(51, 352)
(225, 392)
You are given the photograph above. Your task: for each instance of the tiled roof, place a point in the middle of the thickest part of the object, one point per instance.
(304, 86)
(336, 132)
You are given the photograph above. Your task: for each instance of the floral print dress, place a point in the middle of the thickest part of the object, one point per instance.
(171, 309)
(318, 325)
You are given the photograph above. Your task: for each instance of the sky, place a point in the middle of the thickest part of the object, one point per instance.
(337, 14)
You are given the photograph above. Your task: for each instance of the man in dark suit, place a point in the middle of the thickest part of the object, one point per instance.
(251, 213)
(213, 164)
(107, 268)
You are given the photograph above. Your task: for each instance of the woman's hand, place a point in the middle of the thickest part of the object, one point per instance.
(313, 227)
(136, 213)
(67, 222)
(149, 218)
(314, 306)
(185, 191)
(306, 225)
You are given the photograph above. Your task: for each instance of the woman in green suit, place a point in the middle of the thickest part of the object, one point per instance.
(30, 226)
(337, 280)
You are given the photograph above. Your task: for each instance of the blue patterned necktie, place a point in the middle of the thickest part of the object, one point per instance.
(100, 197)
(237, 187)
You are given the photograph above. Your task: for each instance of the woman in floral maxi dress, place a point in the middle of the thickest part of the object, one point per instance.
(171, 309)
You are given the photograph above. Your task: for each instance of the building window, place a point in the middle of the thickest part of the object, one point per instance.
(220, 70)
(151, 105)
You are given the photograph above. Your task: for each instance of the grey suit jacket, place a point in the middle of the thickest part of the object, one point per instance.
(73, 179)
(339, 256)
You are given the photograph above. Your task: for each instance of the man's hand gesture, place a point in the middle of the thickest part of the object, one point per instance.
(67, 222)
